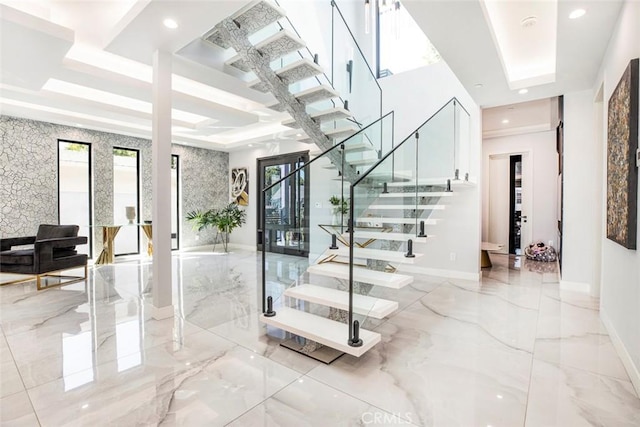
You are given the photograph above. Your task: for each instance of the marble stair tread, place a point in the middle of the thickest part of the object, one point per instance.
(359, 147)
(407, 206)
(431, 181)
(336, 113)
(372, 277)
(385, 176)
(273, 47)
(294, 72)
(309, 96)
(379, 254)
(252, 17)
(338, 133)
(419, 194)
(364, 162)
(325, 331)
(384, 220)
(380, 235)
(378, 176)
(362, 304)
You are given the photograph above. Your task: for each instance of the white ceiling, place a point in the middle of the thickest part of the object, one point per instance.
(459, 30)
(106, 47)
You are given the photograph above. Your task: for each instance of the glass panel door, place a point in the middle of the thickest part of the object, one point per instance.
(74, 189)
(284, 206)
(126, 206)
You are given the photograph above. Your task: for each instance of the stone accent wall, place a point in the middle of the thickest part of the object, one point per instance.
(29, 182)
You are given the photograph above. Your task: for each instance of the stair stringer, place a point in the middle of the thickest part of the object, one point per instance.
(238, 38)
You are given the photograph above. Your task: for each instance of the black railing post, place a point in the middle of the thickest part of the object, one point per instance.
(264, 253)
(334, 243)
(384, 188)
(354, 340)
(409, 253)
(342, 159)
(448, 190)
(269, 312)
(352, 327)
(422, 230)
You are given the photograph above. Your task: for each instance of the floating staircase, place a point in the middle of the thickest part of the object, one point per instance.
(384, 229)
(264, 59)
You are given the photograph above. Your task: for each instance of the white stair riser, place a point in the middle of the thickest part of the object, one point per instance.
(328, 332)
(362, 304)
(376, 278)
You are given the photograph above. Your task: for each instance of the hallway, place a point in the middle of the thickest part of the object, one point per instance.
(512, 350)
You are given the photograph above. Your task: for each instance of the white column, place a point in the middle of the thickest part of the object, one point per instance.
(161, 178)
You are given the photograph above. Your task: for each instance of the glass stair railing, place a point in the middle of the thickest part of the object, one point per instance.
(401, 195)
(314, 305)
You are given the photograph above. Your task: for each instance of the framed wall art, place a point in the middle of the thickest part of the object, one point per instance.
(240, 186)
(622, 173)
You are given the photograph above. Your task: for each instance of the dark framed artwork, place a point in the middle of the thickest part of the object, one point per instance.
(622, 174)
(240, 186)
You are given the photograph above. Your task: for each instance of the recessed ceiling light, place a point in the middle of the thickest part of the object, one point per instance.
(298, 134)
(250, 145)
(170, 23)
(529, 21)
(577, 13)
(523, 91)
(478, 85)
(79, 125)
(505, 121)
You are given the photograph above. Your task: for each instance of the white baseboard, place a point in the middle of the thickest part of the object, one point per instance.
(245, 247)
(450, 274)
(160, 313)
(627, 361)
(575, 286)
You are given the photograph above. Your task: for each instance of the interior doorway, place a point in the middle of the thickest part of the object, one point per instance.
(284, 206)
(515, 205)
(510, 198)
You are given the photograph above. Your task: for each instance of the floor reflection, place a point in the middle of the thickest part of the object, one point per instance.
(511, 349)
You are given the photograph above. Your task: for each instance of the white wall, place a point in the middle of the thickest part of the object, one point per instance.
(544, 158)
(414, 96)
(582, 194)
(620, 279)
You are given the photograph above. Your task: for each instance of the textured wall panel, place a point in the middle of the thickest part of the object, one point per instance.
(29, 183)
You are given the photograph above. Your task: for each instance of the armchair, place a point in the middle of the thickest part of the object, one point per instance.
(54, 250)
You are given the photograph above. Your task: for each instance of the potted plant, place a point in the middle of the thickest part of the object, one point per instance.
(340, 207)
(224, 220)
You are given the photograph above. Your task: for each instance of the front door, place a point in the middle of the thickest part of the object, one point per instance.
(283, 205)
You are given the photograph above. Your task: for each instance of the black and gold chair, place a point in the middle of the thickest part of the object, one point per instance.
(54, 250)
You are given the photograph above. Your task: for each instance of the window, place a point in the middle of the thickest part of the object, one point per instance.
(126, 200)
(401, 43)
(74, 189)
(175, 202)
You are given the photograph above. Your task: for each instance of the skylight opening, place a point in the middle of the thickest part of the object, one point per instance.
(403, 46)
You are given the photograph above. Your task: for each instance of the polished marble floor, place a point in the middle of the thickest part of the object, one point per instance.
(512, 350)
